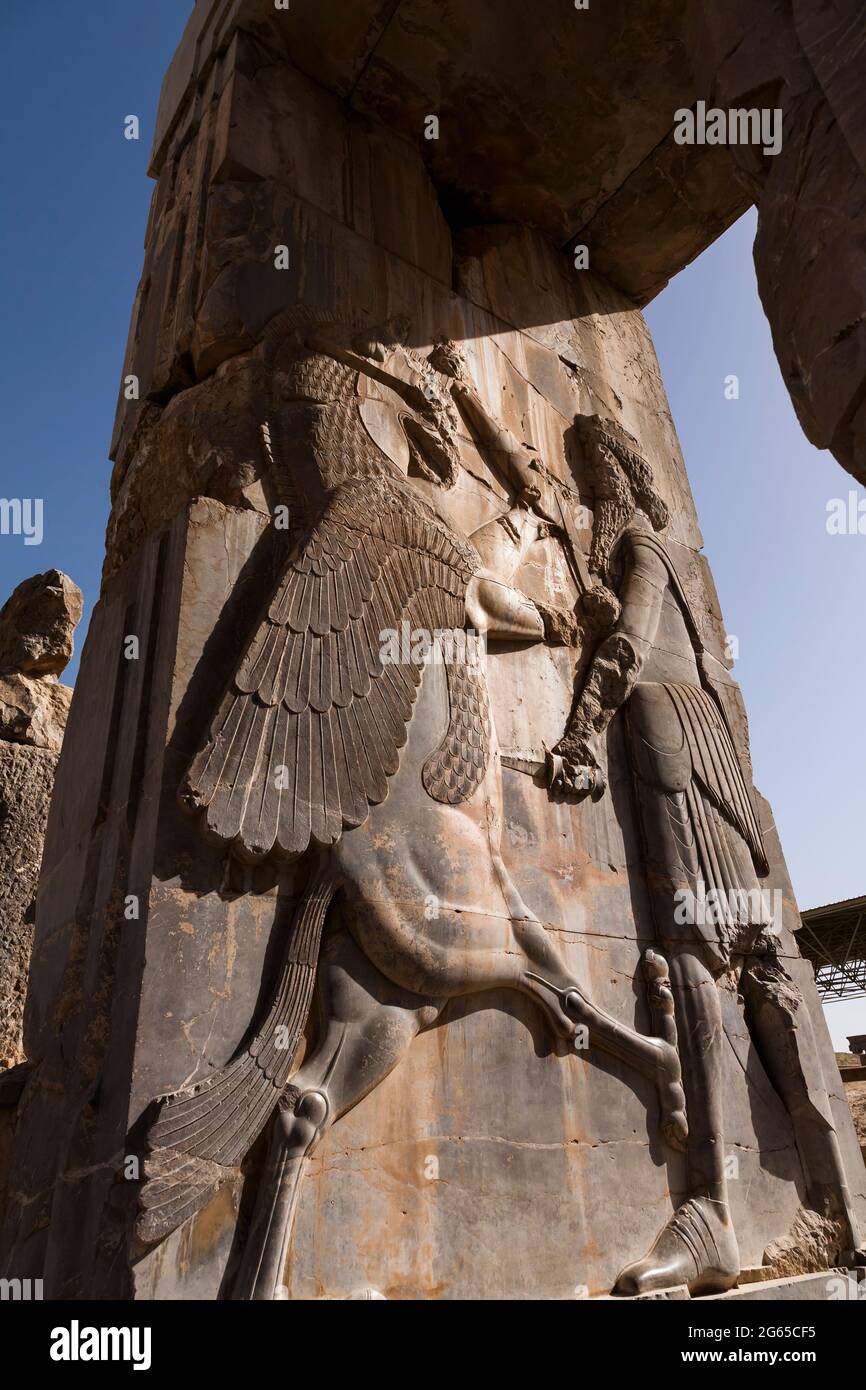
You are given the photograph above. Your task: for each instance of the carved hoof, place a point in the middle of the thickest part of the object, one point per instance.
(659, 993)
(676, 1130)
(697, 1248)
(672, 1098)
(655, 966)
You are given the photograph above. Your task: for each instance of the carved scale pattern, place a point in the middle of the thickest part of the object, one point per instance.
(456, 768)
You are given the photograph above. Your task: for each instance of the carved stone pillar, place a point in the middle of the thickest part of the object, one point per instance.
(494, 1161)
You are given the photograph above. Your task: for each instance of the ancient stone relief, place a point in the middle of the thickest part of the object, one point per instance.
(299, 759)
(356, 738)
(704, 848)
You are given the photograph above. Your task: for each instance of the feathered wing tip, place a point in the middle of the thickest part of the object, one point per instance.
(176, 1186)
(198, 1139)
(201, 1134)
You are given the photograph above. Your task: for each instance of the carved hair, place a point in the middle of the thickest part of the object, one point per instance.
(621, 481)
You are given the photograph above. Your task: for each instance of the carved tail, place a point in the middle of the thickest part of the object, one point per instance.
(201, 1134)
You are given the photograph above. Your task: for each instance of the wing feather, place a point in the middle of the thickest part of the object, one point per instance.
(311, 727)
(208, 767)
(295, 808)
(264, 649)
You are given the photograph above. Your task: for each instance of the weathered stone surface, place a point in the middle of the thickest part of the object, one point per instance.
(37, 624)
(834, 1284)
(545, 113)
(855, 1093)
(563, 119)
(811, 197)
(269, 840)
(664, 216)
(855, 1089)
(212, 433)
(26, 781)
(33, 712)
(813, 1243)
(36, 633)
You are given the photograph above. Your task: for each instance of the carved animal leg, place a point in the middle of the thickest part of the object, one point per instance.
(699, 1010)
(782, 1032)
(460, 953)
(652, 1057)
(363, 1041)
(561, 997)
(697, 1246)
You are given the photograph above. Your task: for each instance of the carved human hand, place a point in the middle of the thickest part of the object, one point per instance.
(573, 768)
(601, 607)
(561, 627)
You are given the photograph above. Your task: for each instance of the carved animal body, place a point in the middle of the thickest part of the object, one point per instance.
(304, 758)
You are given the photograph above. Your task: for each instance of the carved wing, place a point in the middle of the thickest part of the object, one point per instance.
(310, 728)
(200, 1134)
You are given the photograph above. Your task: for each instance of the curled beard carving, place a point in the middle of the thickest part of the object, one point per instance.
(622, 482)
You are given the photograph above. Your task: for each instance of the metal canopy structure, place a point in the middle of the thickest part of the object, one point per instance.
(833, 938)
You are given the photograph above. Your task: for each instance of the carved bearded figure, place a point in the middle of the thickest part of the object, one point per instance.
(705, 864)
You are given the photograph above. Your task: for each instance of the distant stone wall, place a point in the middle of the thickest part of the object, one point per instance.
(36, 627)
(855, 1094)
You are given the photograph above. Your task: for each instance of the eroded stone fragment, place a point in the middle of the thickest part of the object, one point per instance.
(37, 623)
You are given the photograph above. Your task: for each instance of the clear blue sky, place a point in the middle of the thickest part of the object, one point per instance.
(77, 197)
